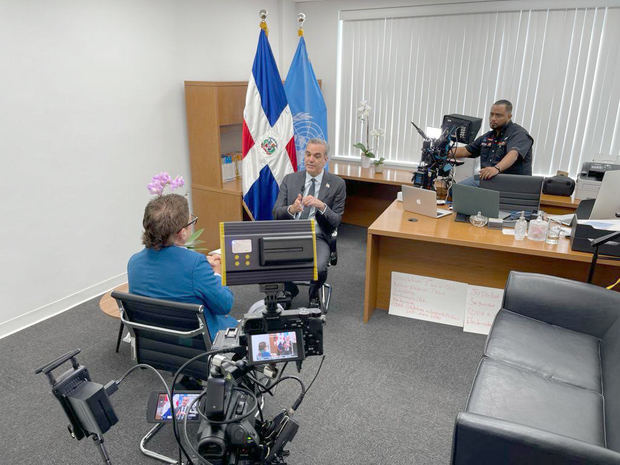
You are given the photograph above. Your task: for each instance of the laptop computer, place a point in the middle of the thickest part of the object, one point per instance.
(422, 201)
(469, 200)
(607, 203)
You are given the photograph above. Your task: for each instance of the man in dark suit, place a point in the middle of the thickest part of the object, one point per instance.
(313, 194)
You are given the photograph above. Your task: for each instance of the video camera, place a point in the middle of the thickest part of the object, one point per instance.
(261, 252)
(436, 160)
(244, 362)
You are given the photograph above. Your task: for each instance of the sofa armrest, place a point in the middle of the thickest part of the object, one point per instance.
(484, 440)
(570, 304)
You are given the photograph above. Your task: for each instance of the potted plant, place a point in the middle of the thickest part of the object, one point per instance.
(367, 155)
(378, 165)
(363, 111)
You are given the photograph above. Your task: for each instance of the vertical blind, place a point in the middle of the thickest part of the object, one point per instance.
(559, 67)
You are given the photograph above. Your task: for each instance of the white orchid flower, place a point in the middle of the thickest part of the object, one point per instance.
(363, 110)
(377, 132)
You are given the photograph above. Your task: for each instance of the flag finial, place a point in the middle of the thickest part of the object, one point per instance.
(301, 19)
(262, 14)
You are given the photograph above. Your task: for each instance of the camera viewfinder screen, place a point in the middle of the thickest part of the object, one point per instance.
(280, 346)
(181, 407)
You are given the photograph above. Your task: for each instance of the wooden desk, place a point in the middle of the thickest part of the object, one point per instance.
(558, 204)
(443, 248)
(370, 193)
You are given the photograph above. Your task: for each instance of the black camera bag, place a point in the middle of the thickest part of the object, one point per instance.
(558, 185)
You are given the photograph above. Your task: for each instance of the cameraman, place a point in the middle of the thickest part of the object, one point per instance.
(506, 148)
(165, 269)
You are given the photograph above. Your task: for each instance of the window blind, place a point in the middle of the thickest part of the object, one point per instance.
(559, 68)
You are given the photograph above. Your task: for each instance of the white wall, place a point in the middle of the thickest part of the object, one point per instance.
(92, 105)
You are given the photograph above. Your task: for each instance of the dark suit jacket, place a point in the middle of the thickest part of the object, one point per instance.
(333, 193)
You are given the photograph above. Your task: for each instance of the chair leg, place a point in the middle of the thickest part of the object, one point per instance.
(120, 336)
(147, 437)
(326, 294)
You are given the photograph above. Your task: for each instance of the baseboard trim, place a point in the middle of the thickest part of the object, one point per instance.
(62, 305)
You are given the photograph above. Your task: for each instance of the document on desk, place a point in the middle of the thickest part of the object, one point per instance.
(429, 299)
(481, 306)
(609, 225)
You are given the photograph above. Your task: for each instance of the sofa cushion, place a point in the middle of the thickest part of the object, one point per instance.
(554, 352)
(523, 396)
(610, 357)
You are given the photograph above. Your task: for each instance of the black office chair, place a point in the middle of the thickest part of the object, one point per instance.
(516, 192)
(165, 335)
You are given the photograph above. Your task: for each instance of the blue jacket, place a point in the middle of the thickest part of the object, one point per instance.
(182, 275)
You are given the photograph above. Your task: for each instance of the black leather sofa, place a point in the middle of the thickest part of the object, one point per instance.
(547, 390)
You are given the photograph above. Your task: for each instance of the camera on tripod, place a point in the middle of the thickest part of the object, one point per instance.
(264, 253)
(436, 160)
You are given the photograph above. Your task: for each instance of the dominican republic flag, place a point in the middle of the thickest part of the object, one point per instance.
(268, 139)
(306, 102)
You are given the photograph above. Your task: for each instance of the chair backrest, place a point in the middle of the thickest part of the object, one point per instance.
(167, 334)
(516, 192)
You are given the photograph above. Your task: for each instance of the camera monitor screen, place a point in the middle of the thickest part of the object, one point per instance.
(158, 410)
(463, 128)
(276, 346)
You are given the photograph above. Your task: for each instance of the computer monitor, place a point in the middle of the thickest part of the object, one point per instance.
(469, 200)
(607, 203)
(467, 127)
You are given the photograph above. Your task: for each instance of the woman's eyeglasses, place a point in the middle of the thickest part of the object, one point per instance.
(192, 222)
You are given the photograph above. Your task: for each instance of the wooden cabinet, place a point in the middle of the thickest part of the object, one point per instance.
(214, 118)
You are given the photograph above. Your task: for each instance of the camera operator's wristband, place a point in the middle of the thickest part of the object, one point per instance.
(498, 170)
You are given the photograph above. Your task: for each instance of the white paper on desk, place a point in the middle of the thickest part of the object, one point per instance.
(564, 219)
(609, 225)
(428, 299)
(481, 306)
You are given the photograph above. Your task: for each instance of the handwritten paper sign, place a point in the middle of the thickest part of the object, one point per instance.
(481, 306)
(429, 299)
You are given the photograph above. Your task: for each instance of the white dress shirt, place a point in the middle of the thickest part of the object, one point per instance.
(317, 188)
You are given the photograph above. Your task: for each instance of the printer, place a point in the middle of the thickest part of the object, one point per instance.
(590, 178)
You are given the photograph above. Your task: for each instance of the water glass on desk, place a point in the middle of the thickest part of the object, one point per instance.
(553, 232)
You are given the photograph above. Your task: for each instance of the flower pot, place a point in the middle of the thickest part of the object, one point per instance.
(365, 161)
(379, 168)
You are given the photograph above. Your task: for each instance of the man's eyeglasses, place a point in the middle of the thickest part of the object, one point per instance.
(192, 222)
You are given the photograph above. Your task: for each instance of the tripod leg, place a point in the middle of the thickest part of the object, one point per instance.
(102, 450)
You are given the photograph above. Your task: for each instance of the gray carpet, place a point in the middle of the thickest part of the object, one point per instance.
(388, 391)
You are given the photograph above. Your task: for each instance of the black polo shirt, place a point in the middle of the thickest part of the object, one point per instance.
(491, 148)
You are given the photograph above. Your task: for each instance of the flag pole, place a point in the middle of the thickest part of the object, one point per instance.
(262, 14)
(301, 19)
